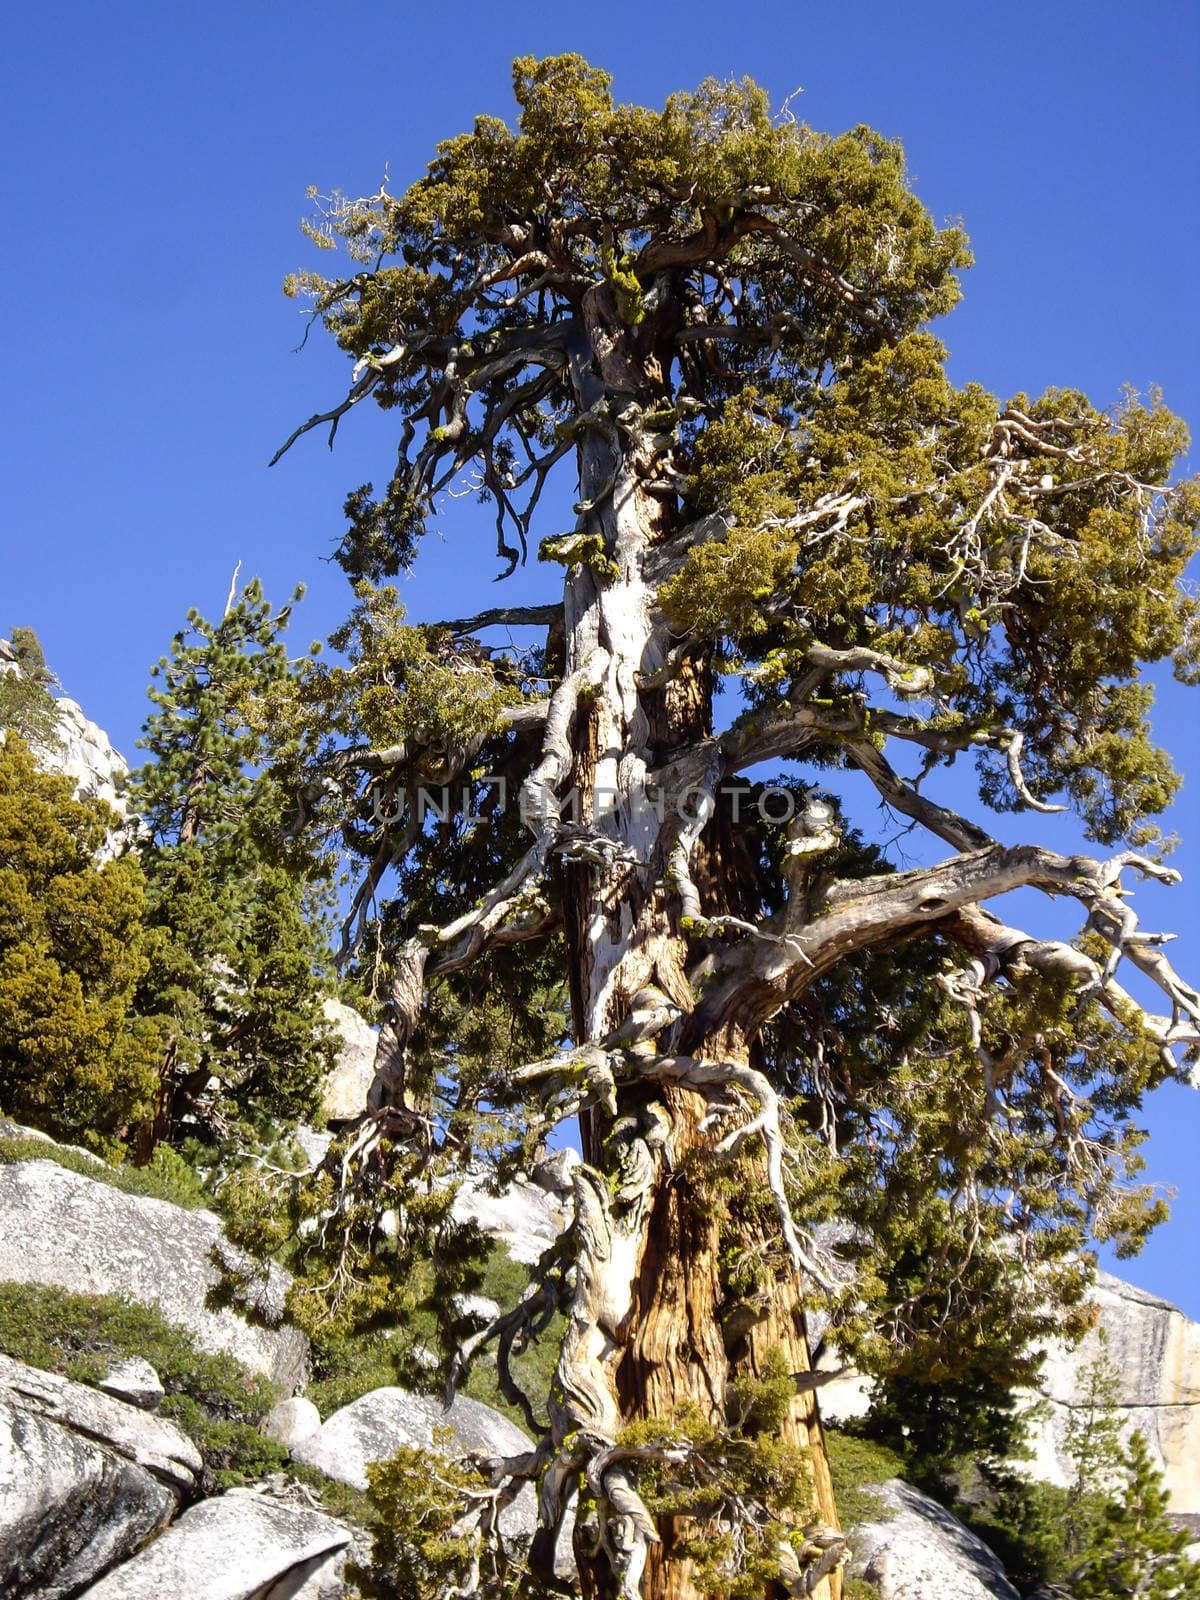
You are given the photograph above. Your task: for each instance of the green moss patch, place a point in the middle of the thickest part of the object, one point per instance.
(167, 1177)
(216, 1401)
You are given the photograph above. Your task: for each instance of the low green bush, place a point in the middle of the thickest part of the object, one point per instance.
(167, 1177)
(856, 1466)
(216, 1401)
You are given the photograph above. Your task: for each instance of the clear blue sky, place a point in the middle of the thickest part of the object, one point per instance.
(155, 161)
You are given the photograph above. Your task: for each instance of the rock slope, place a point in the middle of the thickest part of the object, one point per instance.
(921, 1552)
(242, 1545)
(84, 1481)
(60, 1228)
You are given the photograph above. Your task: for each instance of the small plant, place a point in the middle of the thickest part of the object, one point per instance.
(168, 1176)
(217, 1402)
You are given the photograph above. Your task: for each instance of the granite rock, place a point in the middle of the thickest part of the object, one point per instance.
(84, 1481)
(292, 1421)
(524, 1218)
(345, 1092)
(242, 1545)
(920, 1551)
(60, 1228)
(134, 1381)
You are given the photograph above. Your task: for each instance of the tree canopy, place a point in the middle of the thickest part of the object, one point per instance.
(75, 1058)
(714, 321)
(233, 916)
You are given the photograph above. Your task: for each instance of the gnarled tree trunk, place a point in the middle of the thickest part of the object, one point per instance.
(657, 1291)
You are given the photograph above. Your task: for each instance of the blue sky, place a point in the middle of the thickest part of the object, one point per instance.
(155, 162)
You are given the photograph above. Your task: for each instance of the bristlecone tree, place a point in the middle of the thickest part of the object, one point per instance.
(715, 321)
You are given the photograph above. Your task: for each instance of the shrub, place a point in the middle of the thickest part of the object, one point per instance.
(168, 1176)
(74, 1061)
(217, 1402)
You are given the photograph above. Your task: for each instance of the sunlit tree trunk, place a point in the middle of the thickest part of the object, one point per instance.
(660, 1342)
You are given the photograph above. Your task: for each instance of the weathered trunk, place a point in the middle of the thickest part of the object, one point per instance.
(650, 1334)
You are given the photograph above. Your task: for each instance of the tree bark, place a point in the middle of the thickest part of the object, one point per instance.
(659, 1342)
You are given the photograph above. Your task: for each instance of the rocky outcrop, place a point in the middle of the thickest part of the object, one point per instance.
(242, 1545)
(524, 1218)
(63, 1229)
(345, 1092)
(84, 1481)
(1155, 1351)
(920, 1551)
(376, 1425)
(84, 752)
(79, 749)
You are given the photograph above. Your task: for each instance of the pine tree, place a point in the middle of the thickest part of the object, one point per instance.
(1092, 1444)
(716, 322)
(232, 912)
(75, 1060)
(1135, 1553)
(26, 703)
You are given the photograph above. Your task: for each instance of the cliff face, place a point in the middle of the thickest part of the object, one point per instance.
(86, 754)
(83, 750)
(1156, 1352)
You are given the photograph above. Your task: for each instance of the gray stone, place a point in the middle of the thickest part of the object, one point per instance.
(84, 1481)
(377, 1424)
(313, 1143)
(68, 1508)
(134, 1381)
(292, 1421)
(555, 1172)
(85, 753)
(242, 1545)
(1155, 1351)
(148, 1441)
(524, 1218)
(345, 1091)
(921, 1551)
(478, 1307)
(60, 1228)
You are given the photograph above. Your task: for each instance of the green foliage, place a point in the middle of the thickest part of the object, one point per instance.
(857, 1466)
(166, 1177)
(695, 1472)
(26, 703)
(339, 1499)
(213, 1398)
(399, 684)
(233, 911)
(1093, 1446)
(1042, 1532)
(1022, 1521)
(1134, 1549)
(347, 1366)
(385, 1255)
(940, 1204)
(632, 181)
(74, 1059)
(417, 1501)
